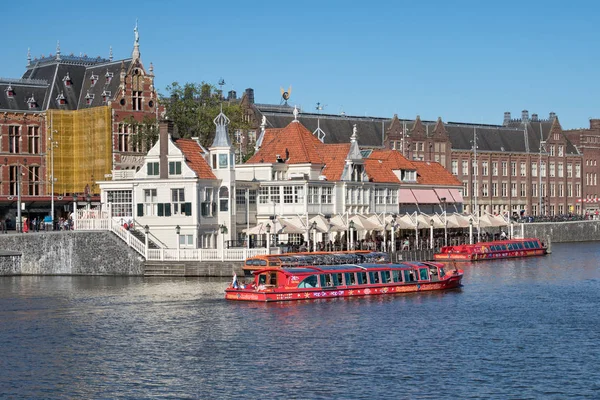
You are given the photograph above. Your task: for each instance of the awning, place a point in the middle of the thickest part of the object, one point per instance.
(425, 196)
(457, 196)
(407, 197)
(445, 193)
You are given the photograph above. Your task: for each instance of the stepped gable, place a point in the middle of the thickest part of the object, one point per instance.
(418, 129)
(432, 173)
(439, 130)
(294, 143)
(194, 158)
(337, 128)
(334, 156)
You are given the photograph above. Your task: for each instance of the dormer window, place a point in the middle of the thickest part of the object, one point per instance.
(31, 102)
(108, 76)
(93, 80)
(67, 80)
(105, 96)
(10, 93)
(89, 97)
(60, 99)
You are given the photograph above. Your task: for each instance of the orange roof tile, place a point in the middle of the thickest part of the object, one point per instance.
(334, 157)
(293, 141)
(432, 173)
(396, 160)
(380, 171)
(194, 159)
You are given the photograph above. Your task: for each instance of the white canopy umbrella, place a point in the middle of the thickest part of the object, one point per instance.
(406, 222)
(324, 226)
(256, 230)
(438, 221)
(362, 223)
(458, 221)
(339, 222)
(276, 226)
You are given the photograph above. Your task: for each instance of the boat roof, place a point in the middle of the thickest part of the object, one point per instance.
(348, 268)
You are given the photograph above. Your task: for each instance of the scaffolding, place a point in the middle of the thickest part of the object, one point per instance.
(84, 149)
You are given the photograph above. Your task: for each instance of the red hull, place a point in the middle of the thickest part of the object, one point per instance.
(341, 291)
(488, 256)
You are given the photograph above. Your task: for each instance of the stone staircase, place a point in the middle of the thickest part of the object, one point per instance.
(142, 237)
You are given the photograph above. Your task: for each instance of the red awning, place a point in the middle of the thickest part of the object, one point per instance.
(457, 196)
(445, 193)
(425, 196)
(407, 197)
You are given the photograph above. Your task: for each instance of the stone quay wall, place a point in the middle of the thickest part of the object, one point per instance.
(10, 263)
(71, 253)
(561, 232)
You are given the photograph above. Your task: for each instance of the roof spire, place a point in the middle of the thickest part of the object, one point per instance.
(110, 54)
(295, 114)
(222, 136)
(28, 56)
(135, 55)
(58, 50)
(263, 127)
(354, 153)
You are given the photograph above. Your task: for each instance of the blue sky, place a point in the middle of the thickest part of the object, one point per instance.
(465, 61)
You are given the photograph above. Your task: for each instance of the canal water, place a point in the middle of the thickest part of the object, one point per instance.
(522, 329)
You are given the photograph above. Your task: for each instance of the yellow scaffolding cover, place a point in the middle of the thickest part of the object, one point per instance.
(83, 154)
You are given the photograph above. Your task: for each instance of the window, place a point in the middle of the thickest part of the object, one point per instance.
(150, 206)
(153, 169)
(552, 190)
(174, 167)
(108, 77)
(34, 180)
(454, 167)
(494, 189)
(494, 168)
(484, 168)
(513, 168)
(34, 139)
(10, 93)
(465, 168)
(523, 189)
(178, 201)
(89, 98)
(224, 199)
(222, 160)
(208, 207)
(327, 195)
(121, 202)
(577, 170)
(561, 190)
(560, 170)
(552, 151)
(523, 169)
(263, 195)
(137, 101)
(123, 137)
(293, 194)
(569, 170)
(543, 169)
(274, 194)
(252, 196)
(484, 189)
(67, 80)
(186, 240)
(240, 197)
(552, 171)
(466, 188)
(569, 190)
(60, 99)
(534, 189)
(534, 170)
(513, 189)
(93, 80)
(474, 168)
(14, 180)
(14, 136)
(105, 96)
(561, 151)
(504, 189)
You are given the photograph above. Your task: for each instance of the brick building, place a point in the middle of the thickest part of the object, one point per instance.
(55, 105)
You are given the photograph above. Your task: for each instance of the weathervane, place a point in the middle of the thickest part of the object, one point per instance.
(285, 95)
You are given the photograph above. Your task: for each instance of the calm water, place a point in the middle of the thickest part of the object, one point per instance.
(517, 329)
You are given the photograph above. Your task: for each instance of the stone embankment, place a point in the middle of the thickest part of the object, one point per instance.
(562, 232)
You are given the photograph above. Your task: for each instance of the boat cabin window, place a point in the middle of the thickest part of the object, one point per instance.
(396, 275)
(385, 277)
(274, 263)
(536, 245)
(503, 247)
(309, 282)
(409, 275)
(262, 279)
(350, 278)
(262, 263)
(433, 273)
(442, 272)
(337, 279)
(326, 280)
(362, 278)
(520, 246)
(374, 277)
(423, 276)
(273, 278)
(526, 244)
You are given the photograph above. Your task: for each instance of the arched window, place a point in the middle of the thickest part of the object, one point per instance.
(223, 199)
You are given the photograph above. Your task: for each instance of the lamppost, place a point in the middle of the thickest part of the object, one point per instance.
(75, 198)
(53, 144)
(19, 224)
(109, 199)
(146, 232)
(314, 229)
(178, 232)
(351, 226)
(394, 216)
(328, 218)
(431, 233)
(542, 143)
(268, 241)
(443, 200)
(470, 230)
(223, 229)
(88, 199)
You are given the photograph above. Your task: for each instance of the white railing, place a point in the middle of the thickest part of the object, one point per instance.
(91, 224)
(203, 254)
(128, 238)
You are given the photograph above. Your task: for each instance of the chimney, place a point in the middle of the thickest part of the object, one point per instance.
(552, 116)
(250, 94)
(534, 117)
(231, 95)
(594, 123)
(524, 116)
(506, 118)
(164, 128)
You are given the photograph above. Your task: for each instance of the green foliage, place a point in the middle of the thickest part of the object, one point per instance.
(145, 133)
(193, 107)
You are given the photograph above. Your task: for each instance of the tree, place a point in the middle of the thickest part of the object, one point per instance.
(193, 107)
(145, 133)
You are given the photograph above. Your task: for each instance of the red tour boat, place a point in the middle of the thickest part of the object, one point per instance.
(492, 250)
(323, 282)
